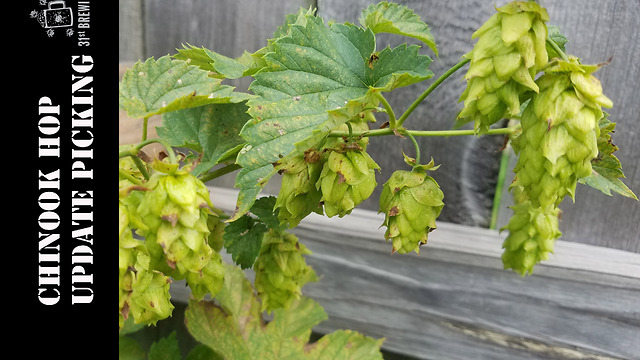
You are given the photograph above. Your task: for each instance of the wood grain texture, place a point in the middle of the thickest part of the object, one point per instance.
(454, 300)
(130, 30)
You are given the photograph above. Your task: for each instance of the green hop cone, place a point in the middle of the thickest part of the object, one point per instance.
(175, 212)
(511, 49)
(127, 254)
(150, 299)
(532, 233)
(281, 270)
(298, 195)
(411, 202)
(555, 149)
(559, 134)
(347, 179)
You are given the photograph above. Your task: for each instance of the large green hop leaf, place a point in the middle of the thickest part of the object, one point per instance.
(156, 87)
(392, 18)
(234, 328)
(316, 79)
(212, 130)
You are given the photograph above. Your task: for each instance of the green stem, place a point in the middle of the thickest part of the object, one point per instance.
(219, 172)
(430, 89)
(124, 173)
(145, 124)
(557, 49)
(415, 144)
(387, 107)
(389, 131)
(497, 198)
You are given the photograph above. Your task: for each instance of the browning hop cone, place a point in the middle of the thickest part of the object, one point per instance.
(347, 179)
(411, 202)
(511, 48)
(281, 270)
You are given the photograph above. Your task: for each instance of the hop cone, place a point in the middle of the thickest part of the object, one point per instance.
(281, 270)
(175, 214)
(150, 298)
(510, 50)
(298, 195)
(347, 179)
(127, 251)
(558, 141)
(411, 202)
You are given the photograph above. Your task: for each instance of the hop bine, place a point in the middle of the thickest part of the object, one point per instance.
(558, 141)
(511, 49)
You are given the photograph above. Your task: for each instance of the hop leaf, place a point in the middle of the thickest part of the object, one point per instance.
(511, 48)
(411, 202)
(234, 328)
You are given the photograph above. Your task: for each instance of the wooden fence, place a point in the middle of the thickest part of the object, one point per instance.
(454, 301)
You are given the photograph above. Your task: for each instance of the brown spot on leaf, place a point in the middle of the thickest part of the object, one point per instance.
(341, 178)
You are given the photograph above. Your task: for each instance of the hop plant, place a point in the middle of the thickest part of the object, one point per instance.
(174, 213)
(281, 270)
(411, 202)
(347, 178)
(511, 49)
(558, 141)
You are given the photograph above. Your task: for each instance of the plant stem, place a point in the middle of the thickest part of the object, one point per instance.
(219, 172)
(415, 144)
(497, 198)
(557, 49)
(430, 89)
(129, 177)
(392, 116)
(145, 124)
(389, 131)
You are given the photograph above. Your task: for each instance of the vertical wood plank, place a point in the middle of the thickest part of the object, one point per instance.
(130, 30)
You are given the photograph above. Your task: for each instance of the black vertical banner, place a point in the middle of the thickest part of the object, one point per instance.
(62, 116)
